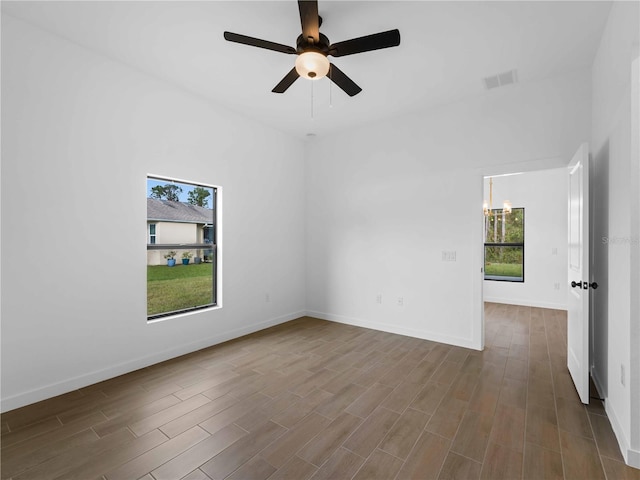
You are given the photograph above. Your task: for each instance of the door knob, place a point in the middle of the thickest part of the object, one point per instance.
(594, 285)
(576, 284)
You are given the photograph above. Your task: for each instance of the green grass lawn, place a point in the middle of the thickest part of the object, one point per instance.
(179, 287)
(503, 269)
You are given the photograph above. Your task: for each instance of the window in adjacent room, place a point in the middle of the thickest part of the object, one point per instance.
(504, 245)
(181, 247)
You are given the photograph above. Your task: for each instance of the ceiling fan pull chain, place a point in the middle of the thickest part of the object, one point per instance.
(330, 90)
(311, 100)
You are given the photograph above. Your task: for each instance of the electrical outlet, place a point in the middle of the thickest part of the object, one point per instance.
(554, 251)
(448, 256)
(556, 286)
(267, 298)
(401, 301)
(379, 298)
(622, 374)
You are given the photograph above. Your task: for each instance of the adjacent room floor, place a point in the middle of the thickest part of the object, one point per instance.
(315, 399)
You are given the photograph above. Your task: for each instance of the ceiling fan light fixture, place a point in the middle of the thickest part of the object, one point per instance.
(312, 65)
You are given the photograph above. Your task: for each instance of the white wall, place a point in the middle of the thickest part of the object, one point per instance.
(384, 202)
(634, 334)
(613, 332)
(80, 133)
(543, 195)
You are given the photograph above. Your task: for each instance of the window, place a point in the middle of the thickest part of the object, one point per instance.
(152, 234)
(504, 245)
(181, 249)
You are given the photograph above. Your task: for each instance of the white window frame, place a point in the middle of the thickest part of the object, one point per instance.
(152, 236)
(218, 270)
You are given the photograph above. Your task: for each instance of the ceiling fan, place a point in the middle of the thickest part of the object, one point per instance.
(313, 48)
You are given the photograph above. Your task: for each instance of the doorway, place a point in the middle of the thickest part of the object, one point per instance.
(526, 212)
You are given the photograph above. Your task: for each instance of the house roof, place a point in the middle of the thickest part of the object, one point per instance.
(167, 211)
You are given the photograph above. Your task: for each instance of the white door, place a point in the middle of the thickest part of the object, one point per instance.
(578, 274)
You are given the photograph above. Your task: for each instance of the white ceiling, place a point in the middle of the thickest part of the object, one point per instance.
(446, 49)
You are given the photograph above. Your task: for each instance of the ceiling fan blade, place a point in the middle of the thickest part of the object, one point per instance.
(309, 19)
(256, 42)
(286, 82)
(367, 43)
(338, 77)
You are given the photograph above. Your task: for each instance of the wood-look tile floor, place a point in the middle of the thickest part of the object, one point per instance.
(315, 399)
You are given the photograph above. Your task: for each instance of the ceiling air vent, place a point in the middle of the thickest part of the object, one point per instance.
(500, 80)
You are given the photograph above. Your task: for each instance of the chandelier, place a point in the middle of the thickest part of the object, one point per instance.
(488, 206)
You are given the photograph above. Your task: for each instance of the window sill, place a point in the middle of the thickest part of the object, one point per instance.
(187, 313)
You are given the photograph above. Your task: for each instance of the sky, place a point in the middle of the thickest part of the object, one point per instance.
(186, 188)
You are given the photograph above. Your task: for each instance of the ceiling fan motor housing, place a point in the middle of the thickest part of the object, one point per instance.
(308, 45)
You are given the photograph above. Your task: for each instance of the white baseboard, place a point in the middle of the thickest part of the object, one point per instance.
(65, 386)
(631, 456)
(386, 327)
(526, 303)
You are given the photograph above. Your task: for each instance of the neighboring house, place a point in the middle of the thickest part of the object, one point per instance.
(174, 226)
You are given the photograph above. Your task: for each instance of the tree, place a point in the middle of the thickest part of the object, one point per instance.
(198, 196)
(166, 192)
